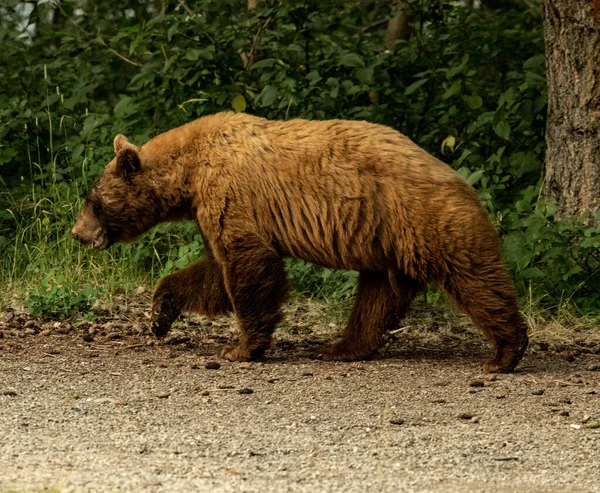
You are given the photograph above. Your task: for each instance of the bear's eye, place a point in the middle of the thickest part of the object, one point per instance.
(97, 208)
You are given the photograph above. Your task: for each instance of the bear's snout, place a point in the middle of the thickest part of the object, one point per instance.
(75, 236)
(88, 230)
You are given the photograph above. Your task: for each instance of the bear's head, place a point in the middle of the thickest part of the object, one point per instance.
(121, 204)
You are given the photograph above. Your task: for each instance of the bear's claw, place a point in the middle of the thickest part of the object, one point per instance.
(164, 314)
(507, 359)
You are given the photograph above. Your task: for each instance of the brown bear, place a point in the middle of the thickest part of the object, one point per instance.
(340, 194)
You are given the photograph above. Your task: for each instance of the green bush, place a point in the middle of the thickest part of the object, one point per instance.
(468, 86)
(57, 299)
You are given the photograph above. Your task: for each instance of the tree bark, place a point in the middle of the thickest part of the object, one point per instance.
(572, 35)
(398, 26)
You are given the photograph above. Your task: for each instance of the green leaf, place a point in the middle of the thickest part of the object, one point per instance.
(459, 68)
(268, 95)
(502, 129)
(134, 44)
(266, 63)
(507, 97)
(239, 103)
(475, 177)
(352, 60)
(207, 53)
(532, 273)
(452, 90)
(172, 30)
(192, 54)
(314, 77)
(534, 61)
(414, 86)
(474, 101)
(125, 107)
(365, 75)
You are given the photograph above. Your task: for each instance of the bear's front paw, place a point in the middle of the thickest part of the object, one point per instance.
(238, 352)
(344, 352)
(164, 313)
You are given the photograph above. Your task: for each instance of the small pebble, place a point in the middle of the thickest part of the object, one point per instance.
(538, 392)
(586, 418)
(164, 395)
(564, 413)
(245, 391)
(212, 365)
(465, 416)
(475, 419)
(396, 421)
(205, 393)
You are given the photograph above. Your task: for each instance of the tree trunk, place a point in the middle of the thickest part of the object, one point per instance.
(398, 26)
(572, 34)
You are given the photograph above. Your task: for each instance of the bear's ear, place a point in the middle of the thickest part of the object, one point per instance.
(120, 143)
(128, 162)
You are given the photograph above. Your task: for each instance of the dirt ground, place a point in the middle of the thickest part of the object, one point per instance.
(99, 406)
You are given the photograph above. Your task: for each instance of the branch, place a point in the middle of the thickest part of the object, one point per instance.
(100, 41)
(249, 57)
(184, 6)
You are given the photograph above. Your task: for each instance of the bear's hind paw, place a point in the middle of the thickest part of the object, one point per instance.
(507, 358)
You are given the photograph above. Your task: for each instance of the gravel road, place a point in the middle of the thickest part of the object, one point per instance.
(89, 409)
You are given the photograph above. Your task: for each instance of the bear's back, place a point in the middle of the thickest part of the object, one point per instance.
(344, 194)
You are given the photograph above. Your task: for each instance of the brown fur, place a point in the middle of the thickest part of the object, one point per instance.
(340, 194)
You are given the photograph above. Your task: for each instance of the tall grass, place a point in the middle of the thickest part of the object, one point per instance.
(38, 253)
